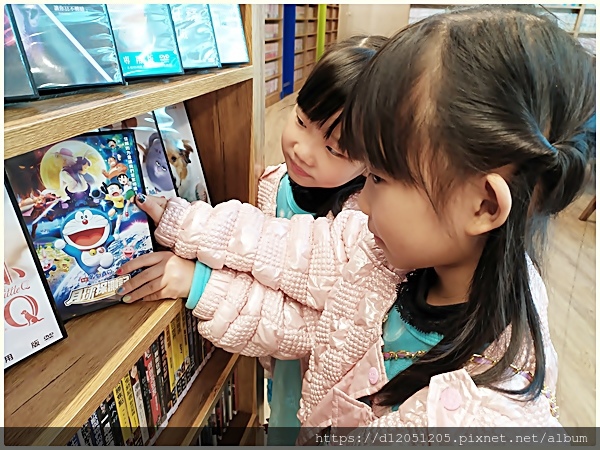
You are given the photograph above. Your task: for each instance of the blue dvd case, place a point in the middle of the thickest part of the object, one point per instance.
(195, 36)
(68, 46)
(229, 33)
(145, 38)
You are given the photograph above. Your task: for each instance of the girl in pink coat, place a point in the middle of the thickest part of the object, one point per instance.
(316, 179)
(476, 126)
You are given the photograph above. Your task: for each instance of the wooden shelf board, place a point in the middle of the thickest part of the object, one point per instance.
(273, 59)
(194, 409)
(272, 98)
(273, 39)
(272, 77)
(312, 48)
(296, 52)
(273, 19)
(29, 126)
(240, 429)
(56, 391)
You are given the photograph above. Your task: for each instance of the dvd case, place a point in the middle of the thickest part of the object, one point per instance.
(76, 199)
(145, 38)
(182, 153)
(18, 84)
(68, 45)
(156, 171)
(229, 33)
(195, 36)
(31, 321)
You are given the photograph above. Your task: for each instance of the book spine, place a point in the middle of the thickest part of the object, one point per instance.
(146, 397)
(114, 419)
(131, 409)
(229, 400)
(86, 433)
(186, 349)
(153, 390)
(213, 425)
(219, 414)
(167, 397)
(159, 381)
(104, 420)
(170, 358)
(123, 414)
(177, 352)
(94, 425)
(74, 441)
(138, 397)
(197, 342)
(235, 389)
(224, 418)
(191, 342)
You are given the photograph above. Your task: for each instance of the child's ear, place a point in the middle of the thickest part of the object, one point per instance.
(492, 204)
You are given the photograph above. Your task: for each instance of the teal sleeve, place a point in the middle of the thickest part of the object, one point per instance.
(201, 277)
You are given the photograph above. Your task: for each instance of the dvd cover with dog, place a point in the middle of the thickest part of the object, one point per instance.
(195, 36)
(18, 84)
(68, 45)
(31, 321)
(76, 198)
(156, 171)
(229, 33)
(145, 38)
(182, 153)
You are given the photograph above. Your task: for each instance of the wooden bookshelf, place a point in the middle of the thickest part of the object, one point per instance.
(273, 53)
(332, 24)
(39, 123)
(51, 394)
(305, 54)
(192, 414)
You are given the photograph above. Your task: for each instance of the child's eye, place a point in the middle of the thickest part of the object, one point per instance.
(300, 122)
(376, 179)
(333, 151)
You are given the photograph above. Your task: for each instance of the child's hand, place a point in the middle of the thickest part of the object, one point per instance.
(167, 276)
(153, 206)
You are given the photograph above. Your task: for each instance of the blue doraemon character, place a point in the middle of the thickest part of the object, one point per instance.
(86, 235)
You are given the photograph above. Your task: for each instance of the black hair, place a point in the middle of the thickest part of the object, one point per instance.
(481, 88)
(325, 92)
(104, 187)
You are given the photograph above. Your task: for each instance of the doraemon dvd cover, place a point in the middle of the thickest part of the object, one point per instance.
(77, 201)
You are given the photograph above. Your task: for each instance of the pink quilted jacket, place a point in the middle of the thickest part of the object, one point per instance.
(320, 288)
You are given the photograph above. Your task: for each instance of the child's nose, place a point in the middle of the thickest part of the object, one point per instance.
(305, 154)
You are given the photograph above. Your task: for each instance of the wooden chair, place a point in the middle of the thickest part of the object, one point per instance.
(587, 212)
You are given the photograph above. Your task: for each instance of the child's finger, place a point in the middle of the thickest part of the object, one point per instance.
(146, 260)
(153, 206)
(154, 290)
(141, 279)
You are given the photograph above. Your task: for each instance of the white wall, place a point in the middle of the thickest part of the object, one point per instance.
(372, 19)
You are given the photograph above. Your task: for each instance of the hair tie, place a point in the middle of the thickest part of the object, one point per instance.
(546, 142)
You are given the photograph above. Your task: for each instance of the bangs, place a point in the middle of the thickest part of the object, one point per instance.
(389, 122)
(329, 84)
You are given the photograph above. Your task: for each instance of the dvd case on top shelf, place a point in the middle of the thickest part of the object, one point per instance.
(76, 199)
(18, 84)
(182, 153)
(68, 45)
(195, 36)
(145, 38)
(31, 321)
(229, 33)
(156, 171)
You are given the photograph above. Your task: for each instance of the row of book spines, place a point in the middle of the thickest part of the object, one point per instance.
(140, 405)
(221, 415)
